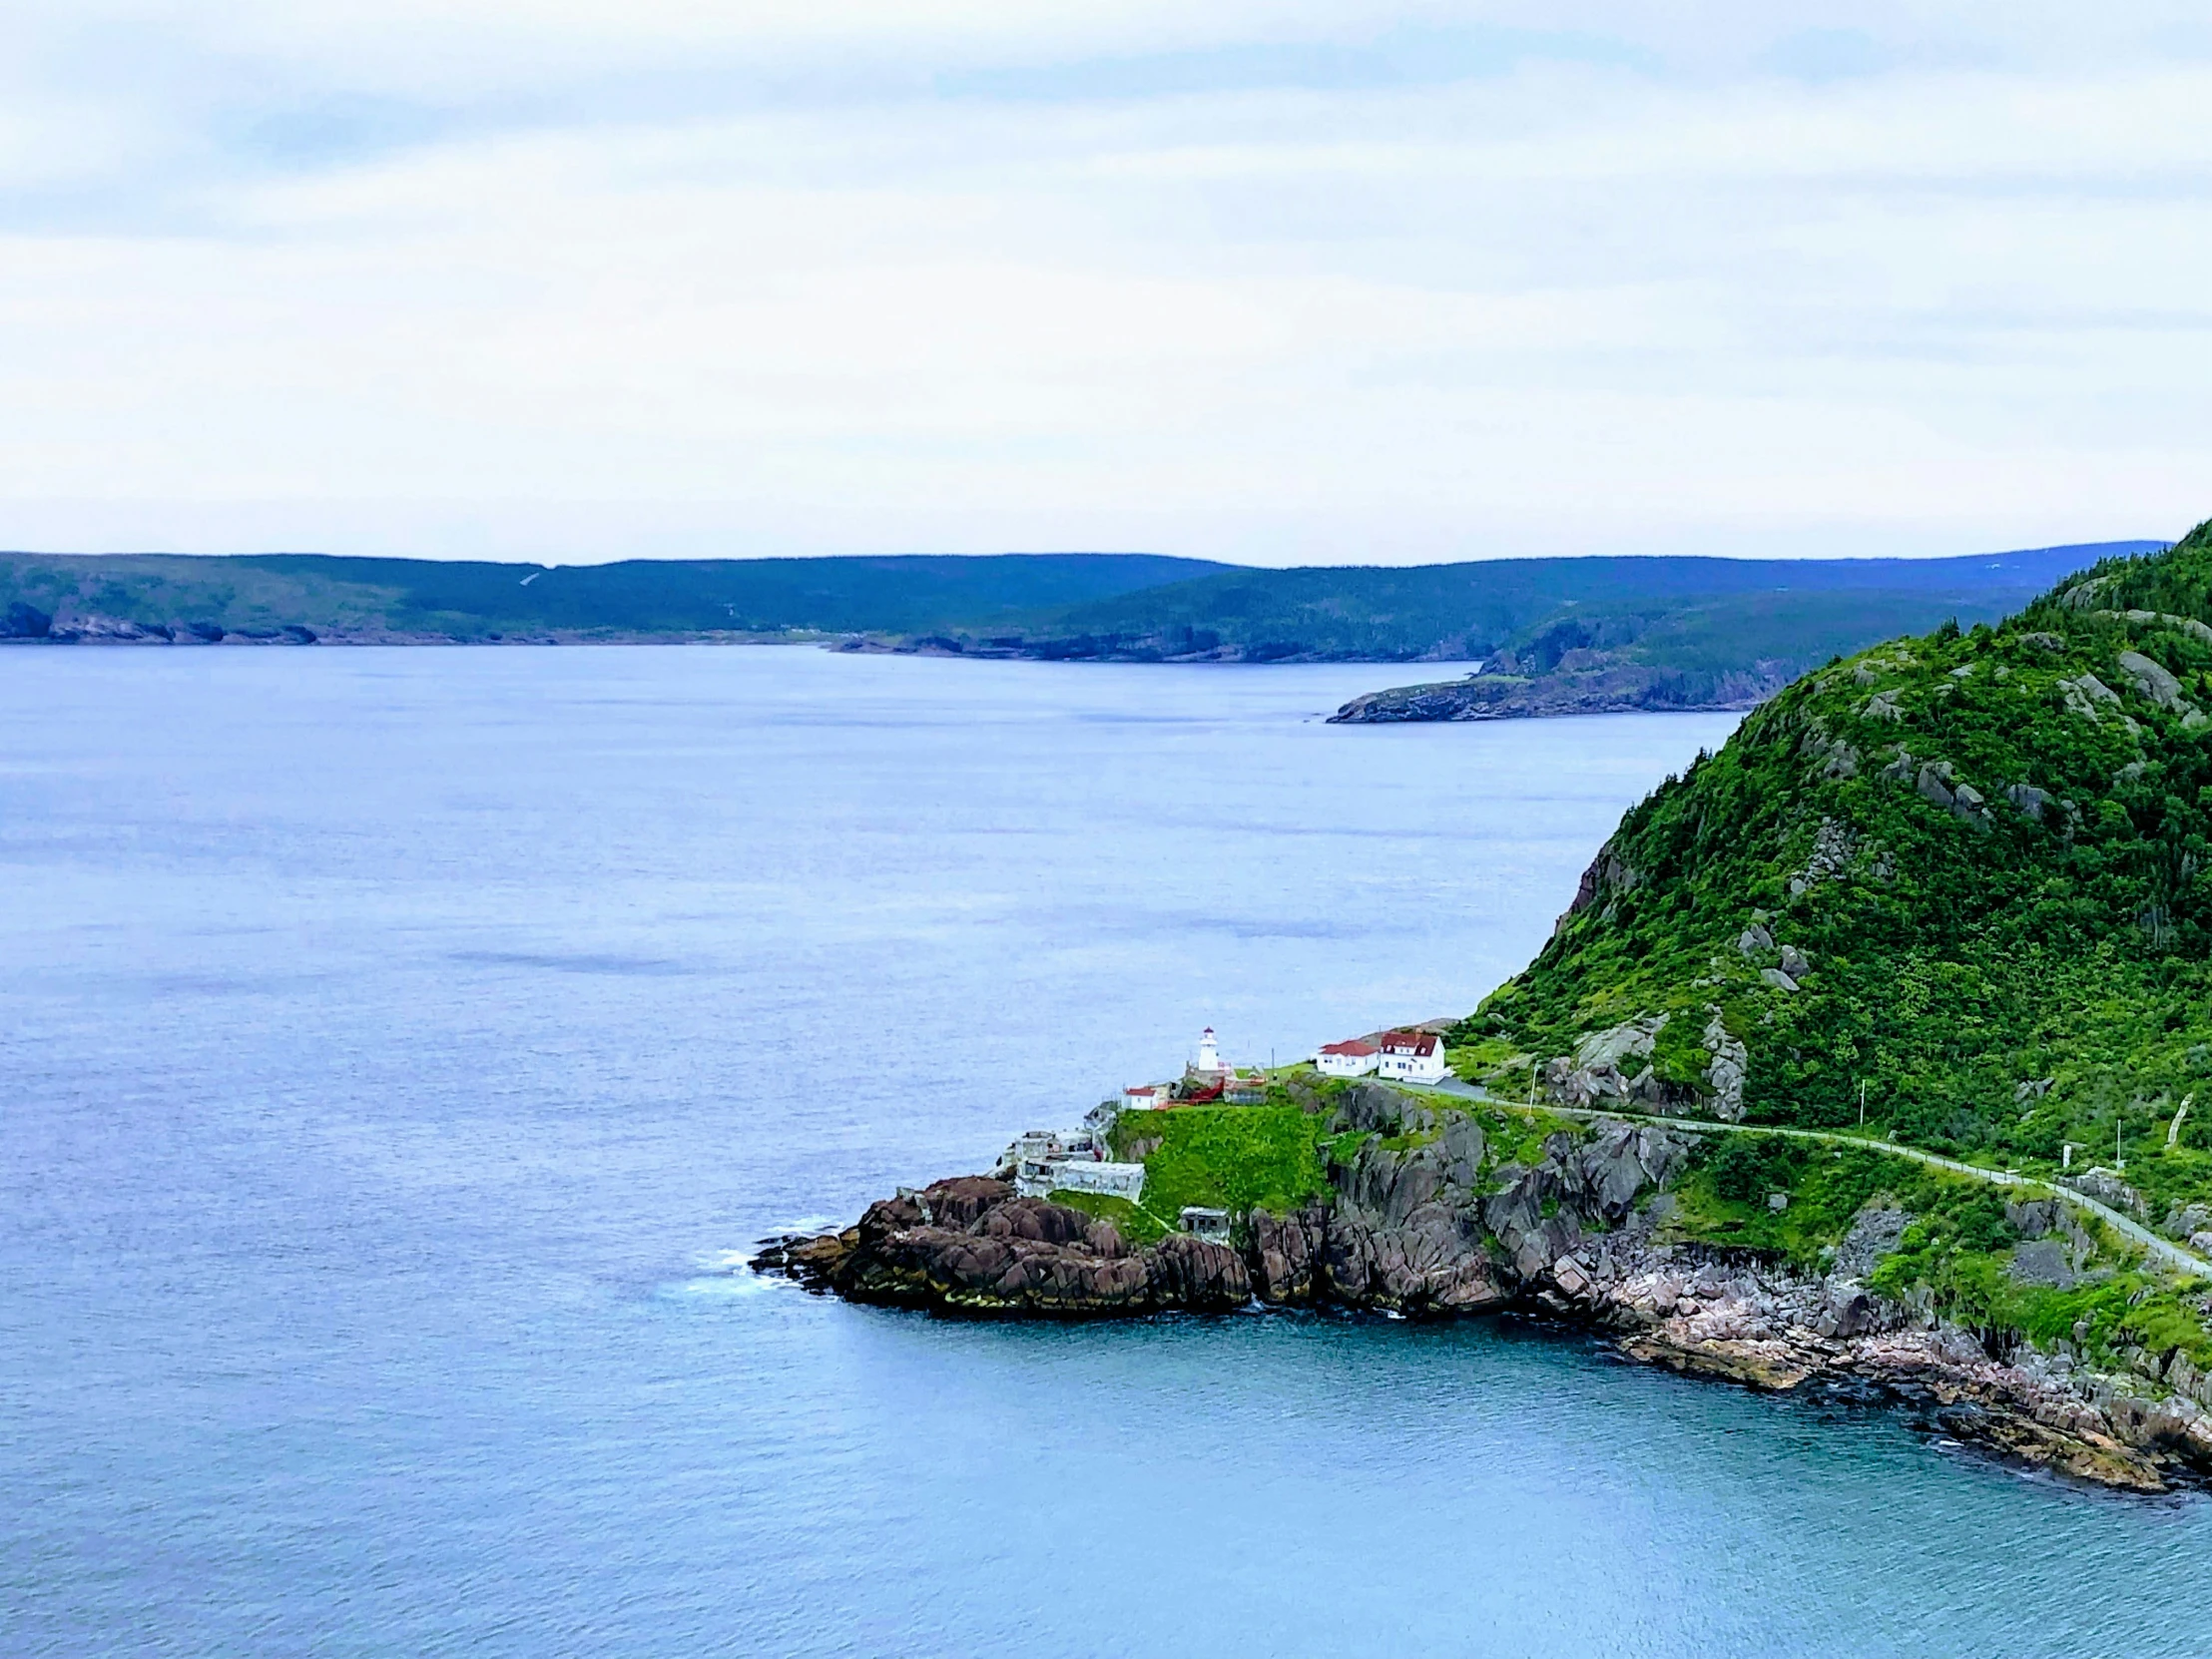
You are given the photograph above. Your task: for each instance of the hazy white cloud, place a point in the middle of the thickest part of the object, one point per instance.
(1279, 284)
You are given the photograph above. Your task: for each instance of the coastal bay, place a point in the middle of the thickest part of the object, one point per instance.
(406, 1047)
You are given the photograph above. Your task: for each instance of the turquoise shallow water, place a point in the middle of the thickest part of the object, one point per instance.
(401, 1047)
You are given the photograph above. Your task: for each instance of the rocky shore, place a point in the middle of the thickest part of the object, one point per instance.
(1443, 1229)
(1617, 689)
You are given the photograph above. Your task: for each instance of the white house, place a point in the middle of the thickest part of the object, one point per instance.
(1145, 1097)
(1352, 1059)
(1416, 1056)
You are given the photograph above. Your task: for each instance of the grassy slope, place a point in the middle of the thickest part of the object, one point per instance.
(1952, 960)
(1233, 1157)
(1276, 1156)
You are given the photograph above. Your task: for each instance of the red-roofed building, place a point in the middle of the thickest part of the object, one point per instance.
(1352, 1059)
(1416, 1056)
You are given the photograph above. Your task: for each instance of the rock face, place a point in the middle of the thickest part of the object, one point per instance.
(2108, 1189)
(969, 1245)
(1440, 1229)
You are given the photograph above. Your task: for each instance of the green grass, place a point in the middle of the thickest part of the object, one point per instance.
(1722, 1198)
(1236, 1158)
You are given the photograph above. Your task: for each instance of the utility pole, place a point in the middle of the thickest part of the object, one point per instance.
(1862, 1103)
(2118, 1161)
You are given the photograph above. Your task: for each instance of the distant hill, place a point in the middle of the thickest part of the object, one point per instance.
(110, 595)
(1695, 610)
(1555, 635)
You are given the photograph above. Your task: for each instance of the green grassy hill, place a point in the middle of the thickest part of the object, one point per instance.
(1969, 873)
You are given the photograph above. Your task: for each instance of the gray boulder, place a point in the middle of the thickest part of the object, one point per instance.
(2151, 679)
(1619, 1043)
(1373, 1106)
(1606, 1173)
(1873, 1234)
(2108, 1189)
(1725, 1074)
(2185, 1220)
(2042, 1262)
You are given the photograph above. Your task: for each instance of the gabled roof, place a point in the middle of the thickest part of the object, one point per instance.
(1354, 1049)
(1421, 1043)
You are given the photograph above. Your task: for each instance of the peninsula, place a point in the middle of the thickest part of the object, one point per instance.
(1866, 1053)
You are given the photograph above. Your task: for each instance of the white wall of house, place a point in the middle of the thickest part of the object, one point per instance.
(1414, 1068)
(1345, 1065)
(1116, 1180)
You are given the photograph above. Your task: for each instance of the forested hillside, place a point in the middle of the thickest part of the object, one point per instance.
(1969, 875)
(636, 598)
(1555, 635)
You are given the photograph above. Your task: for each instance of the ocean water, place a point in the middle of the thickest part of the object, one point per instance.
(400, 1050)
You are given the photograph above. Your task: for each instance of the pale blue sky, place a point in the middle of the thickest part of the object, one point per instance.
(1301, 282)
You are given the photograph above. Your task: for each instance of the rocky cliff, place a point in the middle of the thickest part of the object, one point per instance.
(1429, 1215)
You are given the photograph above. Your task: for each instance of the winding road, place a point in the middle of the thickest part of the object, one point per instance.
(2165, 1250)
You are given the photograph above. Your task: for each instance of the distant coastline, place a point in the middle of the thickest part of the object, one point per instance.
(1558, 636)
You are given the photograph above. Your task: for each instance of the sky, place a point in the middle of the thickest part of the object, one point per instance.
(1301, 282)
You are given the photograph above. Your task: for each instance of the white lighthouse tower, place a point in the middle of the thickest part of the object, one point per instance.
(1209, 1052)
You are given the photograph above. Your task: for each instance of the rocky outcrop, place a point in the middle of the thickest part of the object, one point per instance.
(23, 622)
(2107, 1189)
(969, 1245)
(1613, 687)
(1407, 1233)
(1440, 1228)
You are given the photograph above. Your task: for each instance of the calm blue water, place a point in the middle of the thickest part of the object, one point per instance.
(399, 1048)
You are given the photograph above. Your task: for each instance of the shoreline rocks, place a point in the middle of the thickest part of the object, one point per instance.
(1580, 1235)
(1617, 688)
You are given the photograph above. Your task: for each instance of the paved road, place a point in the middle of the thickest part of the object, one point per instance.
(2163, 1249)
